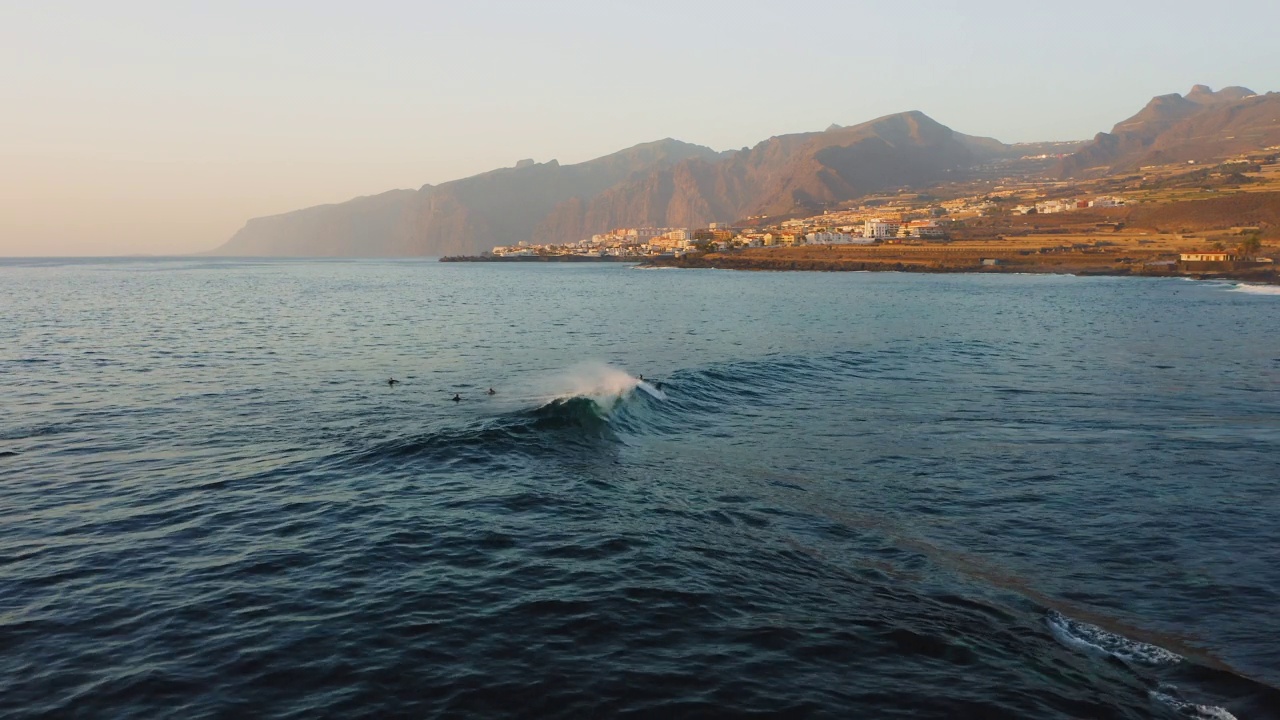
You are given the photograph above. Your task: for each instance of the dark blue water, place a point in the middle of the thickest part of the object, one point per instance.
(849, 495)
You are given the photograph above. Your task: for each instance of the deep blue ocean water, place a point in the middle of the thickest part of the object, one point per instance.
(837, 495)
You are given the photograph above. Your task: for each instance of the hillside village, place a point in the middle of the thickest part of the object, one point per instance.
(997, 207)
(862, 225)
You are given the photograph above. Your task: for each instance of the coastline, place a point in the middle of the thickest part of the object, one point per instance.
(1081, 264)
(1067, 264)
(539, 258)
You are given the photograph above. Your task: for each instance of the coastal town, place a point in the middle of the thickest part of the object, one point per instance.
(862, 225)
(1014, 217)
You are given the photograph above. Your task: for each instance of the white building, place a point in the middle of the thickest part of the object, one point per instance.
(1107, 201)
(925, 229)
(1051, 207)
(832, 238)
(880, 229)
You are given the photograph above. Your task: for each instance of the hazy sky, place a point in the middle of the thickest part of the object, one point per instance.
(160, 127)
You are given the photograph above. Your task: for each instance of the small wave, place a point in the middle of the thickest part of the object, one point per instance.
(556, 427)
(1093, 639)
(570, 412)
(572, 424)
(1188, 709)
(33, 431)
(1249, 289)
(583, 410)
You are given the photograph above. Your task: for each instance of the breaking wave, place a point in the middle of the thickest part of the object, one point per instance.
(1257, 289)
(605, 386)
(580, 410)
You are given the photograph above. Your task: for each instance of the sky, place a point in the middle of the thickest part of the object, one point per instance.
(161, 127)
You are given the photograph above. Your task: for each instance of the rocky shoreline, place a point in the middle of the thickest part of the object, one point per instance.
(1080, 266)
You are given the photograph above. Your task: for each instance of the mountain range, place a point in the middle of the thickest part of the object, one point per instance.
(669, 183)
(1203, 125)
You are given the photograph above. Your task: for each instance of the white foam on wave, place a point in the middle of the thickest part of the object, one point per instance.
(603, 384)
(1273, 290)
(1192, 710)
(1096, 641)
(1093, 639)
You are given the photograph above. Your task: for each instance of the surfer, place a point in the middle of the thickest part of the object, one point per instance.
(392, 382)
(457, 397)
(491, 392)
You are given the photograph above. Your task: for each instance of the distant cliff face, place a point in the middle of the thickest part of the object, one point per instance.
(364, 227)
(1204, 125)
(463, 216)
(665, 183)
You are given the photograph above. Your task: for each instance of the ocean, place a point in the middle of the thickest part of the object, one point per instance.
(833, 495)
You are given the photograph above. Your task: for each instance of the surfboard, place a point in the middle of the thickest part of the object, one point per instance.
(651, 390)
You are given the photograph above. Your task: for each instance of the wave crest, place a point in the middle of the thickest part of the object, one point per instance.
(579, 413)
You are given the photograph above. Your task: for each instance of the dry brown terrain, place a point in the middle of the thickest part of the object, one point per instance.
(1061, 249)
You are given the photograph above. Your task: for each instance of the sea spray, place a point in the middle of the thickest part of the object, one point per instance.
(603, 384)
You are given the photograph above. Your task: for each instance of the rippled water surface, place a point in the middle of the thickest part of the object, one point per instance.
(837, 495)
